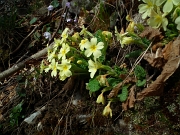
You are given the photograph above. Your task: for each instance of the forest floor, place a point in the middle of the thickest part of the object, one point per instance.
(32, 103)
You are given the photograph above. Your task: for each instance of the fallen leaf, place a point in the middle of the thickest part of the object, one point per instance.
(151, 33)
(155, 59)
(156, 88)
(167, 50)
(156, 46)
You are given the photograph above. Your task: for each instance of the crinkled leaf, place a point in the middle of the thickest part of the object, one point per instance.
(139, 72)
(112, 81)
(93, 85)
(123, 96)
(141, 83)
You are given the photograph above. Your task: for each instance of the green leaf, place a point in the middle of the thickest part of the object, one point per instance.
(15, 114)
(140, 83)
(123, 96)
(33, 20)
(55, 3)
(93, 85)
(139, 72)
(37, 35)
(134, 54)
(112, 81)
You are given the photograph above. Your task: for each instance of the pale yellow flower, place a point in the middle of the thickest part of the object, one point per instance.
(63, 51)
(64, 35)
(158, 19)
(177, 21)
(107, 110)
(94, 48)
(51, 55)
(93, 67)
(146, 8)
(57, 43)
(64, 68)
(53, 66)
(122, 38)
(100, 99)
(168, 6)
(84, 43)
(127, 40)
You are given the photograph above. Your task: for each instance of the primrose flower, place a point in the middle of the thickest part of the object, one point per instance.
(100, 99)
(93, 67)
(94, 48)
(57, 43)
(158, 19)
(146, 8)
(127, 40)
(107, 110)
(54, 67)
(51, 55)
(50, 7)
(65, 69)
(168, 6)
(64, 35)
(63, 51)
(177, 21)
(47, 35)
(84, 43)
(122, 38)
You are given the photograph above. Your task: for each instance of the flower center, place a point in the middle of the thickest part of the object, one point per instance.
(93, 48)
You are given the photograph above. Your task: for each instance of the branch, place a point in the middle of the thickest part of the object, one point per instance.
(20, 65)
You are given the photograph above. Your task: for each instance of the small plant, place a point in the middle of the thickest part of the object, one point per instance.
(15, 114)
(84, 54)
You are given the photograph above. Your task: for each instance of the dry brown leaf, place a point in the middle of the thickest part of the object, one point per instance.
(167, 50)
(151, 33)
(130, 100)
(156, 46)
(156, 88)
(155, 59)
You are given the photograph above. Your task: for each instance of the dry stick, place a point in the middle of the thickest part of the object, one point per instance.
(20, 65)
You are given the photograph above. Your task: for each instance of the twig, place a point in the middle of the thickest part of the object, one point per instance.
(39, 54)
(57, 27)
(35, 28)
(20, 65)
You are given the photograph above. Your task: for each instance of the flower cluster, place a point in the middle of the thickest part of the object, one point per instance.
(66, 59)
(159, 12)
(84, 54)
